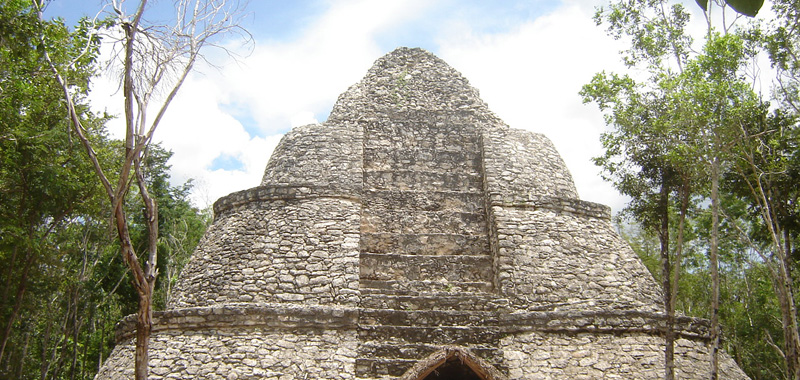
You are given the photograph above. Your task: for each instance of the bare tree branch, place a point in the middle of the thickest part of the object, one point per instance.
(153, 59)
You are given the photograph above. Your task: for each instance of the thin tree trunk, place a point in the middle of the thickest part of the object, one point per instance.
(789, 345)
(25, 346)
(76, 326)
(781, 274)
(794, 334)
(672, 297)
(23, 283)
(133, 152)
(144, 323)
(55, 360)
(91, 330)
(44, 362)
(8, 275)
(66, 333)
(713, 263)
(676, 270)
(663, 235)
(783, 282)
(789, 308)
(100, 346)
(789, 319)
(144, 290)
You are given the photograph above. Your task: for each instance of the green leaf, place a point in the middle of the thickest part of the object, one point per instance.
(745, 7)
(703, 4)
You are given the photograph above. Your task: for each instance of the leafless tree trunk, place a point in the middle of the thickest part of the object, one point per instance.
(154, 59)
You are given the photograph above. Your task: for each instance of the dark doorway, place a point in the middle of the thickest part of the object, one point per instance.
(453, 369)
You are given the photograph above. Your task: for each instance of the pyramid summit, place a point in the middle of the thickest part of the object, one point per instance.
(414, 235)
(408, 80)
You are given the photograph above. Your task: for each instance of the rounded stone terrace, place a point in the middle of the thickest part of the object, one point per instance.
(414, 235)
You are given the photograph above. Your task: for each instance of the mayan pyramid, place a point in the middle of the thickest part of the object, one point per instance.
(414, 235)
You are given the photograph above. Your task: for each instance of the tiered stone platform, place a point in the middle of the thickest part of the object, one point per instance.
(414, 236)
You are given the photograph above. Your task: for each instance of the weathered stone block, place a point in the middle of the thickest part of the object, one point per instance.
(411, 232)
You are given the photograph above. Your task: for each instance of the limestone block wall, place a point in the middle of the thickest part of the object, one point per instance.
(302, 248)
(412, 220)
(318, 155)
(598, 356)
(550, 258)
(412, 80)
(551, 250)
(522, 163)
(233, 354)
(422, 182)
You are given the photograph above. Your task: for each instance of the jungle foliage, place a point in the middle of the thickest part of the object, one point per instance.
(63, 283)
(711, 166)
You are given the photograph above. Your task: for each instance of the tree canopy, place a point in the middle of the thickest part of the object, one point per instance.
(64, 286)
(708, 163)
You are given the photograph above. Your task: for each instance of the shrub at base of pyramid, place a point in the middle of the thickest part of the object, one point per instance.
(414, 235)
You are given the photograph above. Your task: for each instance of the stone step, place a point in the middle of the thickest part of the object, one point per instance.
(450, 268)
(382, 200)
(389, 139)
(422, 180)
(416, 287)
(427, 318)
(433, 301)
(416, 221)
(440, 335)
(463, 159)
(424, 244)
(421, 133)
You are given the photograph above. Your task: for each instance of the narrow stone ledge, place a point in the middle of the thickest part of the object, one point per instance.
(316, 317)
(238, 199)
(606, 322)
(278, 316)
(565, 205)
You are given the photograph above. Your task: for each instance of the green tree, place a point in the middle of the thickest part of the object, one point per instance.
(43, 176)
(764, 174)
(181, 225)
(63, 283)
(645, 134)
(782, 42)
(719, 98)
(688, 106)
(646, 153)
(769, 169)
(154, 60)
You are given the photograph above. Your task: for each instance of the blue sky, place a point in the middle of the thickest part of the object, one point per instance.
(282, 20)
(527, 58)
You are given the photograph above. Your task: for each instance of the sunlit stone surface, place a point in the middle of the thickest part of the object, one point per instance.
(414, 233)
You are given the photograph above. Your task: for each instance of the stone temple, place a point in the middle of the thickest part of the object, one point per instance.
(414, 235)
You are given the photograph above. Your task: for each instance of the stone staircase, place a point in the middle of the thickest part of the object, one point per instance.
(425, 264)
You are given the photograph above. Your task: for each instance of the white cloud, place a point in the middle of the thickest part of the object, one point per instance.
(280, 85)
(531, 77)
(290, 82)
(198, 131)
